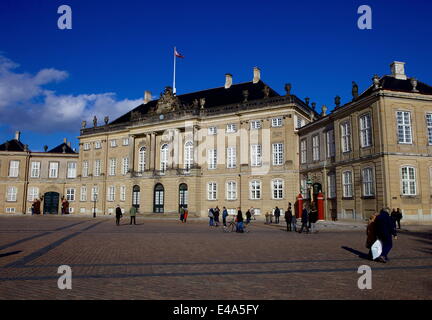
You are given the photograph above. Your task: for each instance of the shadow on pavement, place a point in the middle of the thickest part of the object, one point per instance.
(9, 253)
(360, 254)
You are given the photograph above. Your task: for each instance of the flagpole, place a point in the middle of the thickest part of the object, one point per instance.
(174, 87)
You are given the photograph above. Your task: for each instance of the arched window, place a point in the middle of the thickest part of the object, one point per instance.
(277, 188)
(158, 198)
(141, 159)
(164, 158)
(188, 155)
(183, 195)
(136, 196)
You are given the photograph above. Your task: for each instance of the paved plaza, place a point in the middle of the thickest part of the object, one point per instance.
(165, 259)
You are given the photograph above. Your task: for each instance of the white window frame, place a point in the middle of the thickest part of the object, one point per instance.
(345, 136)
(231, 157)
(211, 131)
(98, 145)
(188, 155)
(331, 183)
(347, 184)
(164, 155)
(33, 193)
(316, 147)
(256, 155)
(231, 190)
(125, 141)
(11, 194)
(404, 127)
(97, 167)
(111, 193)
(122, 193)
(53, 169)
(86, 146)
(231, 128)
(408, 181)
(113, 143)
(211, 191)
(255, 124)
(278, 153)
(255, 190)
(113, 166)
(35, 169)
(70, 194)
(14, 168)
(212, 159)
(277, 187)
(85, 168)
(94, 192)
(429, 127)
(71, 170)
(303, 151)
(276, 122)
(330, 143)
(83, 193)
(125, 165)
(368, 184)
(365, 130)
(142, 159)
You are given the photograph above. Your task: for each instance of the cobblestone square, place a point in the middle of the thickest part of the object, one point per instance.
(165, 259)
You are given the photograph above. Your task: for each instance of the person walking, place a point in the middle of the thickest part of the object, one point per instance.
(118, 215)
(216, 216)
(252, 211)
(313, 218)
(248, 216)
(398, 217)
(239, 221)
(304, 220)
(186, 212)
(267, 217)
(132, 213)
(182, 213)
(288, 218)
(224, 216)
(294, 223)
(33, 207)
(211, 217)
(277, 215)
(371, 233)
(385, 229)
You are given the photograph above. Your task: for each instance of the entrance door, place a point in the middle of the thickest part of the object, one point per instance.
(51, 203)
(183, 196)
(158, 199)
(136, 196)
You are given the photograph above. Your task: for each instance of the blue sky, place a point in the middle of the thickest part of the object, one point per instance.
(51, 79)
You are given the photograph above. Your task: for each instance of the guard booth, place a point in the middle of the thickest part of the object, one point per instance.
(318, 199)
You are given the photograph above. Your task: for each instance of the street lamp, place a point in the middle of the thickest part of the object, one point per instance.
(94, 208)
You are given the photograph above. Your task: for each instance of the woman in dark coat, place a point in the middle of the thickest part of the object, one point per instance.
(239, 221)
(288, 218)
(385, 229)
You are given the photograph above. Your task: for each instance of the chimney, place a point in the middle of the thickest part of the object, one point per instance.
(228, 80)
(398, 70)
(64, 140)
(69, 144)
(147, 97)
(257, 75)
(17, 135)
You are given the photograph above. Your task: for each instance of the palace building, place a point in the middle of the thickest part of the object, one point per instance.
(240, 145)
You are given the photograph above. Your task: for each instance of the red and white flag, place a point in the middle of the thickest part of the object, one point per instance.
(177, 54)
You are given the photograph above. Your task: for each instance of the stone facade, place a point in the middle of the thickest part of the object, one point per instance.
(382, 152)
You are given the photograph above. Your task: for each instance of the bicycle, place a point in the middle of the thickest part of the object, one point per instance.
(232, 226)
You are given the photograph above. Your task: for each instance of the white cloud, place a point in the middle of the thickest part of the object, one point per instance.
(24, 103)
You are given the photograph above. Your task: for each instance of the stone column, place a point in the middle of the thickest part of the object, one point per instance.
(153, 151)
(132, 153)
